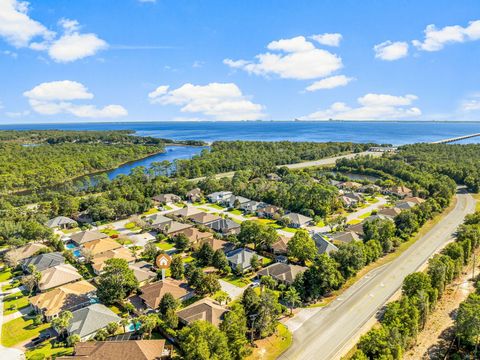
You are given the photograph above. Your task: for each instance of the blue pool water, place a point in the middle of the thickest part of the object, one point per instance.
(70, 246)
(133, 327)
(77, 253)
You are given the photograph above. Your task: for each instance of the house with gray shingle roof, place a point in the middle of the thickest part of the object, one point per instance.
(224, 226)
(86, 236)
(87, 321)
(44, 261)
(240, 259)
(323, 245)
(61, 222)
(297, 220)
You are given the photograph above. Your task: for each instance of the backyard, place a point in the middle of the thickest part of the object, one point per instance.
(20, 330)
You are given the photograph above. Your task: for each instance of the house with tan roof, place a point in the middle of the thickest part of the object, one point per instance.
(143, 272)
(57, 276)
(390, 212)
(173, 227)
(344, 237)
(284, 273)
(194, 235)
(400, 190)
(114, 350)
(100, 246)
(166, 198)
(151, 294)
(268, 211)
(414, 199)
(98, 262)
(203, 218)
(14, 256)
(205, 309)
(280, 247)
(215, 244)
(194, 195)
(84, 237)
(66, 297)
(184, 212)
(297, 220)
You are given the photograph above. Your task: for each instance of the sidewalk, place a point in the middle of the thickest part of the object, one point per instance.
(8, 353)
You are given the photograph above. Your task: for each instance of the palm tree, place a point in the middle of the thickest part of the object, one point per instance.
(149, 322)
(62, 322)
(292, 297)
(124, 322)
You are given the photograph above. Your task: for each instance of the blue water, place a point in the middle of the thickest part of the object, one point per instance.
(391, 132)
(77, 253)
(132, 327)
(171, 153)
(70, 246)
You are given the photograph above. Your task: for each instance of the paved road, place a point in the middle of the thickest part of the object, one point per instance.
(331, 332)
(301, 165)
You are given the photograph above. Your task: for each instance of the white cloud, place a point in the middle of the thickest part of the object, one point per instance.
(297, 58)
(56, 97)
(372, 107)
(471, 104)
(16, 27)
(75, 46)
(329, 83)
(328, 39)
(220, 101)
(435, 39)
(17, 114)
(391, 50)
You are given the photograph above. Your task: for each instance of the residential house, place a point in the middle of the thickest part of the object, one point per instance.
(349, 185)
(219, 196)
(203, 218)
(280, 247)
(87, 236)
(151, 294)
(268, 212)
(194, 235)
(390, 212)
(205, 309)
(194, 195)
(405, 205)
(274, 177)
(323, 245)
(143, 272)
(370, 189)
(97, 247)
(57, 276)
(283, 273)
(356, 228)
(351, 199)
(184, 212)
(157, 220)
(43, 261)
(400, 191)
(19, 254)
(252, 206)
(173, 228)
(414, 199)
(344, 237)
(87, 321)
(61, 222)
(297, 220)
(240, 259)
(98, 261)
(225, 226)
(166, 199)
(66, 297)
(215, 244)
(235, 201)
(125, 350)
(379, 217)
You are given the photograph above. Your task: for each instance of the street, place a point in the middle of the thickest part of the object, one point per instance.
(333, 330)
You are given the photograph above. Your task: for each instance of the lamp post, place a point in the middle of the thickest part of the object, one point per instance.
(252, 318)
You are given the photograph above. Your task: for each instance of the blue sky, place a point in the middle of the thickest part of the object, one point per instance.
(132, 60)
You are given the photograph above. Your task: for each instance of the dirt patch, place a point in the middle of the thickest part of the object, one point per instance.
(433, 341)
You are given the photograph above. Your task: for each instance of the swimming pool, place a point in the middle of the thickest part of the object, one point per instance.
(70, 246)
(132, 327)
(77, 253)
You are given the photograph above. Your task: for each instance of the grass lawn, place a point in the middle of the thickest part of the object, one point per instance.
(110, 232)
(166, 207)
(373, 201)
(115, 309)
(124, 241)
(289, 229)
(5, 275)
(20, 330)
(70, 231)
(364, 216)
(132, 226)
(180, 204)
(236, 212)
(14, 302)
(13, 284)
(203, 209)
(163, 245)
(266, 261)
(237, 281)
(48, 351)
(236, 220)
(150, 212)
(354, 222)
(188, 259)
(216, 206)
(321, 223)
(477, 197)
(272, 347)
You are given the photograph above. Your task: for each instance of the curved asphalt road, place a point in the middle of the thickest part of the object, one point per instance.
(332, 331)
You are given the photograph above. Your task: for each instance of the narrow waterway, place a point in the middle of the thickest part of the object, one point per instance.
(172, 153)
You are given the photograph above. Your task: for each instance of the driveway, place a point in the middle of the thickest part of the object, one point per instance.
(233, 291)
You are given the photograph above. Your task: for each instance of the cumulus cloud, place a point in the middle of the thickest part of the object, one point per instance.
(328, 39)
(329, 83)
(19, 30)
(435, 39)
(372, 107)
(220, 101)
(471, 104)
(16, 27)
(294, 58)
(390, 51)
(55, 97)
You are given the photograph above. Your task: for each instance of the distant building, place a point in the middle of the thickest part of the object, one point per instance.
(194, 195)
(240, 259)
(203, 218)
(166, 198)
(283, 273)
(323, 245)
(224, 226)
(345, 237)
(16, 255)
(205, 309)
(219, 196)
(298, 220)
(83, 237)
(61, 222)
(268, 212)
(400, 191)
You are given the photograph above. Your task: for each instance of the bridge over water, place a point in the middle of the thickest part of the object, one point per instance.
(458, 138)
